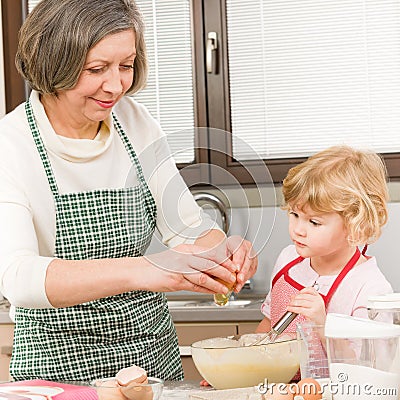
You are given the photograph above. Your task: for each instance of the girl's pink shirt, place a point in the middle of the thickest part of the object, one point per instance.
(351, 296)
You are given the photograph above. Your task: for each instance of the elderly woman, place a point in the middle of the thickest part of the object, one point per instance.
(85, 178)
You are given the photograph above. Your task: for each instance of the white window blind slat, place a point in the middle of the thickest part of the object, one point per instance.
(318, 73)
(32, 4)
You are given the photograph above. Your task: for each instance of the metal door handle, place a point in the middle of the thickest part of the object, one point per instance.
(185, 351)
(212, 47)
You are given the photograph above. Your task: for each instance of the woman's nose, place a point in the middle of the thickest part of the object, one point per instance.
(113, 81)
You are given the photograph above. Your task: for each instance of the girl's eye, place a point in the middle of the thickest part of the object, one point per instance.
(294, 214)
(315, 223)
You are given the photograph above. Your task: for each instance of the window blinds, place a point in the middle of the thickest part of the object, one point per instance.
(169, 93)
(307, 74)
(32, 4)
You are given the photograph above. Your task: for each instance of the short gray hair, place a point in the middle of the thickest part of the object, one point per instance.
(57, 35)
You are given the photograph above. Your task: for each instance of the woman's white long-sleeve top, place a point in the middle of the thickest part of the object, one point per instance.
(27, 212)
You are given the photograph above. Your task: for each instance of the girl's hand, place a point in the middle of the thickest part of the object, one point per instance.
(244, 257)
(308, 302)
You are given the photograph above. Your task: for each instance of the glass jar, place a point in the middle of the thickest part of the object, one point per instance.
(385, 308)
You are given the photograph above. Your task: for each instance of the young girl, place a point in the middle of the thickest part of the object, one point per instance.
(336, 201)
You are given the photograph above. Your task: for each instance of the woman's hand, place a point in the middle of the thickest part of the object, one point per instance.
(188, 267)
(244, 257)
(239, 250)
(308, 302)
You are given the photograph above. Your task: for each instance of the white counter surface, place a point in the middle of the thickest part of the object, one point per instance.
(181, 390)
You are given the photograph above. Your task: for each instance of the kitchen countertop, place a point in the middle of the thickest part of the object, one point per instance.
(212, 313)
(180, 390)
(215, 313)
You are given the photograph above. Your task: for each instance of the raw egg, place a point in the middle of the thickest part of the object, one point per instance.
(279, 392)
(308, 389)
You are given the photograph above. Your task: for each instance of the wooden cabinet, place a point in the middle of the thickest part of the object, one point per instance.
(247, 327)
(6, 342)
(189, 333)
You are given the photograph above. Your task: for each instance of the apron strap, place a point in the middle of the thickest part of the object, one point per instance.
(364, 250)
(286, 268)
(327, 298)
(41, 148)
(129, 148)
(350, 264)
(149, 200)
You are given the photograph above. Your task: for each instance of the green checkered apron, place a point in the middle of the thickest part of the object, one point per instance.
(98, 338)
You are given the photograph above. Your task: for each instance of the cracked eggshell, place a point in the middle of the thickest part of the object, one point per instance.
(108, 389)
(132, 383)
(131, 374)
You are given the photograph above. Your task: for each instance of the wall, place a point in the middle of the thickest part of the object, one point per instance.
(384, 249)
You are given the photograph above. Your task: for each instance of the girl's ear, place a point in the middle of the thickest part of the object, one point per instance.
(353, 241)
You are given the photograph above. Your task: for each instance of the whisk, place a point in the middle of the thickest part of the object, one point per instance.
(276, 330)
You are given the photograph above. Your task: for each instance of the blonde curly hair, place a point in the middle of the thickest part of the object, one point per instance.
(344, 180)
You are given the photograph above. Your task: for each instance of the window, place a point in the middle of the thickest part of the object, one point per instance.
(240, 84)
(301, 75)
(317, 73)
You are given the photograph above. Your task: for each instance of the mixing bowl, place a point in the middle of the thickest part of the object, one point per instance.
(108, 389)
(226, 362)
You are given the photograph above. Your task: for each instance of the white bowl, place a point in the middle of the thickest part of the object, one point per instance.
(225, 363)
(109, 389)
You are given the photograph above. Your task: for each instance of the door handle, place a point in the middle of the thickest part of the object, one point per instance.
(185, 351)
(211, 52)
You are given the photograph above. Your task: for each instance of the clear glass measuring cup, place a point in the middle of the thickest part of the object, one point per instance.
(313, 356)
(364, 358)
(385, 308)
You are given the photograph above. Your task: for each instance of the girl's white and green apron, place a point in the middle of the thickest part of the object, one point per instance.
(98, 338)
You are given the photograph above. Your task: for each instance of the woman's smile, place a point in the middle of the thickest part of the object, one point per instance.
(105, 103)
